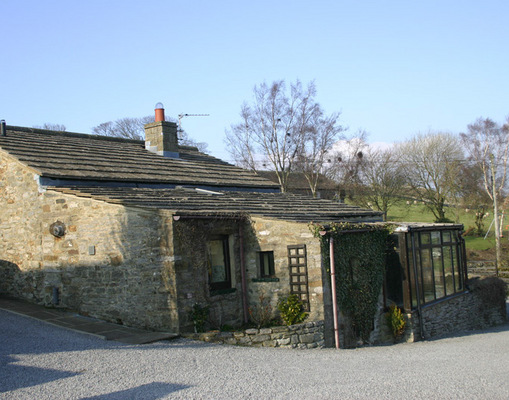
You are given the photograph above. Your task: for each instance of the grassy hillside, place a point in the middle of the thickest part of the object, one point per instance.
(404, 212)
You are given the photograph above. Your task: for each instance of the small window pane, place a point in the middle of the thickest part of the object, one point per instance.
(439, 273)
(425, 238)
(448, 270)
(411, 274)
(267, 264)
(457, 276)
(435, 237)
(427, 276)
(447, 236)
(217, 261)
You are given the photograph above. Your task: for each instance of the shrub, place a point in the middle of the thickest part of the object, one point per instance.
(491, 290)
(395, 321)
(200, 315)
(292, 310)
(261, 313)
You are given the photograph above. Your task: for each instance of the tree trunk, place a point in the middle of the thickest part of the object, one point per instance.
(497, 221)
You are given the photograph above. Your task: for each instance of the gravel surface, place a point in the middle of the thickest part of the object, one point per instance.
(40, 361)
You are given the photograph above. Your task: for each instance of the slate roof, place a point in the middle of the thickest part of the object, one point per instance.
(77, 164)
(298, 181)
(75, 156)
(198, 202)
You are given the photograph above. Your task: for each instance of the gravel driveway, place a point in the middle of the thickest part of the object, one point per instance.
(40, 361)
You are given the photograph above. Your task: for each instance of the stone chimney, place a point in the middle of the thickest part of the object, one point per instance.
(161, 136)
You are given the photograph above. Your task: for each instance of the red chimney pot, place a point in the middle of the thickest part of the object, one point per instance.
(159, 112)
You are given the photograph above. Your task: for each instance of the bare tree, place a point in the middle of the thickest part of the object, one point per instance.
(383, 180)
(431, 163)
(134, 128)
(52, 127)
(473, 197)
(241, 141)
(278, 129)
(315, 154)
(346, 160)
(487, 144)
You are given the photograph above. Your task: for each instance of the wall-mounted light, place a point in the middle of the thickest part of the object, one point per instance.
(57, 229)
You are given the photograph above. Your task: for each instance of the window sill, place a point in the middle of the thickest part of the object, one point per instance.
(265, 280)
(222, 291)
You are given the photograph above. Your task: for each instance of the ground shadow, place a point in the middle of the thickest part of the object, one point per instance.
(14, 376)
(149, 391)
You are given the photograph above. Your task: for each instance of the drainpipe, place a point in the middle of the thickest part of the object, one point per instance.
(243, 274)
(334, 297)
(417, 289)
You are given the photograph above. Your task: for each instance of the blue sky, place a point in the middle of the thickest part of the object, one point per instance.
(393, 68)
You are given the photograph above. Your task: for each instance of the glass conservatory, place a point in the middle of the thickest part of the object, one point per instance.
(426, 264)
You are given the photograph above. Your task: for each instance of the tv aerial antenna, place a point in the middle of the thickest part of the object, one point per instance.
(189, 115)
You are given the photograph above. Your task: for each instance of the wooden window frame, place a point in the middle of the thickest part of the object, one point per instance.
(270, 258)
(227, 283)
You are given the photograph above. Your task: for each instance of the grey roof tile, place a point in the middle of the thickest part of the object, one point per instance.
(64, 155)
(196, 202)
(87, 159)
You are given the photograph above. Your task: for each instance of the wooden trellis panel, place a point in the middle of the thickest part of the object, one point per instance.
(298, 264)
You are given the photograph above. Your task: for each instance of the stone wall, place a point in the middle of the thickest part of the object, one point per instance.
(309, 335)
(192, 272)
(226, 307)
(462, 313)
(113, 262)
(466, 311)
(276, 235)
(136, 266)
(483, 306)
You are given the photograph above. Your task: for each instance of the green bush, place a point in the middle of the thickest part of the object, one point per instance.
(292, 310)
(395, 321)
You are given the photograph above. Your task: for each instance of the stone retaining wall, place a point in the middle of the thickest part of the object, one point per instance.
(308, 335)
(465, 312)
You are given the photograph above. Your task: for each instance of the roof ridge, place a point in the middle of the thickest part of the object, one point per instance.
(71, 134)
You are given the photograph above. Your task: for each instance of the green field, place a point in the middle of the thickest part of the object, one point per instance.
(404, 212)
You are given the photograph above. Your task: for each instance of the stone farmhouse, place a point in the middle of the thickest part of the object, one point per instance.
(138, 232)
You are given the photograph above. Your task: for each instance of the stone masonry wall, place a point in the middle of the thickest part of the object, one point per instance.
(192, 272)
(309, 335)
(258, 235)
(113, 262)
(276, 235)
(464, 312)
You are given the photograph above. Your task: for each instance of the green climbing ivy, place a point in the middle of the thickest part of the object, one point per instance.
(360, 251)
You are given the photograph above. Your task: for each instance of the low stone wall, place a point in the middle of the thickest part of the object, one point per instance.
(467, 311)
(487, 268)
(308, 335)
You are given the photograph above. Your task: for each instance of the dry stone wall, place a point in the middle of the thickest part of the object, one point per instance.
(309, 335)
(465, 312)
